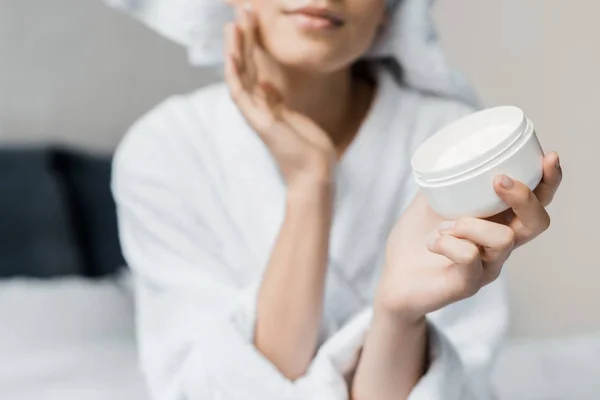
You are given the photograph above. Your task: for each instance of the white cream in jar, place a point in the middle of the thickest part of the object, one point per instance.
(456, 167)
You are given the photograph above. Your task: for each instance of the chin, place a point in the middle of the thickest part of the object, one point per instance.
(312, 57)
(321, 52)
(310, 61)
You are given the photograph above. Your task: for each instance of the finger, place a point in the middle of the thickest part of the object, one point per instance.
(271, 97)
(268, 101)
(457, 250)
(239, 94)
(495, 239)
(308, 129)
(249, 29)
(271, 129)
(465, 276)
(232, 45)
(551, 179)
(267, 125)
(289, 121)
(503, 218)
(492, 271)
(531, 216)
(239, 44)
(234, 83)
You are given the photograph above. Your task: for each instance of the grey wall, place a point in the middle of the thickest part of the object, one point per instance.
(544, 55)
(76, 72)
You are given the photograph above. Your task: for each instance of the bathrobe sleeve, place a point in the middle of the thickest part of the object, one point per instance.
(463, 341)
(464, 337)
(196, 320)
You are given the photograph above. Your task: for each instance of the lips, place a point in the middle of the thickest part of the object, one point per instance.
(317, 18)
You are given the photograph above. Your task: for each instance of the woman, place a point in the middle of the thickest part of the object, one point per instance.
(280, 248)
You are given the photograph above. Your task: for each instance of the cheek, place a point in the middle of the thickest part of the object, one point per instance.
(363, 37)
(359, 39)
(269, 18)
(276, 33)
(291, 47)
(367, 24)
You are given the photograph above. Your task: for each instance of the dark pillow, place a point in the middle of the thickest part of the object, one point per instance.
(87, 181)
(36, 236)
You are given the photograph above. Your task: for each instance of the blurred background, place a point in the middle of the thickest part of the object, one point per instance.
(74, 75)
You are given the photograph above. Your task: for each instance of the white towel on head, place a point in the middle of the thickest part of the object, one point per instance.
(410, 38)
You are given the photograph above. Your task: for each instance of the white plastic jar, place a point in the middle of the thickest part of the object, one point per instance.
(456, 167)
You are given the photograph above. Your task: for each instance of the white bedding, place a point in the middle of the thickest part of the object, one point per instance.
(552, 369)
(73, 339)
(67, 340)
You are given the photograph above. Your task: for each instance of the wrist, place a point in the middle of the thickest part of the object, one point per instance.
(318, 171)
(396, 328)
(392, 305)
(402, 317)
(310, 189)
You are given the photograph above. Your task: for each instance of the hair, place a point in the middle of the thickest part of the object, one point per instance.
(363, 69)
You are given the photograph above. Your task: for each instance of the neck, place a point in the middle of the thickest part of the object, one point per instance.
(336, 101)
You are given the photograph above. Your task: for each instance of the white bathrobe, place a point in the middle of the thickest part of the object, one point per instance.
(200, 203)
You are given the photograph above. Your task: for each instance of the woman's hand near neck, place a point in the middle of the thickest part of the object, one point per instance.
(336, 101)
(288, 111)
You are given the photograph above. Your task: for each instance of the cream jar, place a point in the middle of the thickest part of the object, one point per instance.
(456, 167)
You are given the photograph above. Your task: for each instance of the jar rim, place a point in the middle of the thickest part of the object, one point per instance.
(425, 158)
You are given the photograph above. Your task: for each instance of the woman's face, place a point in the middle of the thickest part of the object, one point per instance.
(319, 35)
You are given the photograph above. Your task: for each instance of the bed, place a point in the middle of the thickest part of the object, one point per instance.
(73, 339)
(67, 313)
(68, 339)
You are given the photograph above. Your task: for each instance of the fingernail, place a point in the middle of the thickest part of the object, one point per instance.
(431, 242)
(248, 7)
(557, 162)
(239, 13)
(446, 226)
(506, 182)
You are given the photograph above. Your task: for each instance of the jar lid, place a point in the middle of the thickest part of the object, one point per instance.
(468, 143)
